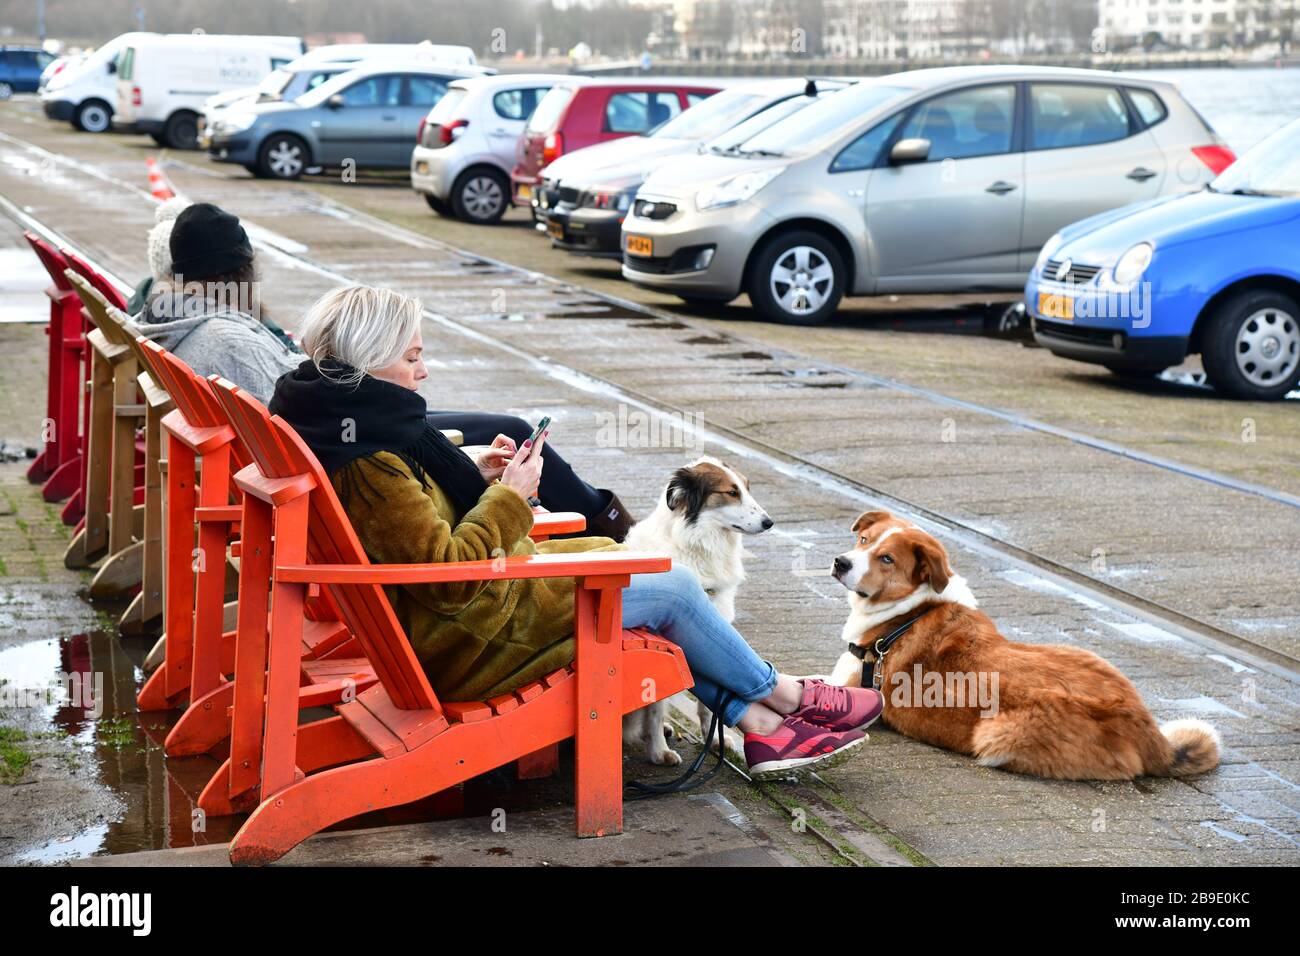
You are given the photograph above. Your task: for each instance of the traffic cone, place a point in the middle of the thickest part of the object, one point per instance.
(158, 187)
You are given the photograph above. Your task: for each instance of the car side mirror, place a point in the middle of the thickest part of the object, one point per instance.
(111, 66)
(909, 151)
(335, 102)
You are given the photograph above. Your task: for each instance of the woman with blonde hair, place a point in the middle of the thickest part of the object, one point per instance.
(414, 497)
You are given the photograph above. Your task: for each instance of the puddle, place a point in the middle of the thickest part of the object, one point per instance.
(707, 340)
(658, 324)
(595, 309)
(750, 356)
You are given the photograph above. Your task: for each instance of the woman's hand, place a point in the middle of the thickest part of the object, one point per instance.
(492, 463)
(525, 469)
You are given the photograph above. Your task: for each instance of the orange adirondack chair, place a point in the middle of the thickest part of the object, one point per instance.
(396, 742)
(199, 653)
(59, 464)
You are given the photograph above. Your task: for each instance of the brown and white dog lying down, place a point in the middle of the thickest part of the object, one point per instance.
(953, 681)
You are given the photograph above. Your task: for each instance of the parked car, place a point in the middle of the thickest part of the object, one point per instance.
(465, 147)
(21, 68)
(943, 180)
(162, 81)
(594, 187)
(320, 64)
(57, 65)
(582, 112)
(1214, 273)
(368, 115)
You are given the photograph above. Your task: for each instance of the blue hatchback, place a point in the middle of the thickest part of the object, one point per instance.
(1214, 273)
(20, 69)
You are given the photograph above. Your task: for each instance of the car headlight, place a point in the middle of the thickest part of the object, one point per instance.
(609, 199)
(735, 189)
(1133, 263)
(236, 122)
(1049, 247)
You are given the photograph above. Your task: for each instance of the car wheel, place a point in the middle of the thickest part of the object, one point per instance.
(1251, 348)
(798, 278)
(282, 157)
(182, 130)
(6, 91)
(93, 116)
(437, 205)
(480, 195)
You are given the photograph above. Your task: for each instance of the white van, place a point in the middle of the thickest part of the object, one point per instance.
(84, 94)
(162, 81)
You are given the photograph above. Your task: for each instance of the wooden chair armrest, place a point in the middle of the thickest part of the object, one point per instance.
(557, 522)
(525, 566)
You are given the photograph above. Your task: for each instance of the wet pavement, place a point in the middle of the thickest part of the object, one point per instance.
(1174, 576)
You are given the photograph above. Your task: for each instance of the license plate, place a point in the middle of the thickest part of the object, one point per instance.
(1052, 306)
(524, 191)
(556, 230)
(640, 245)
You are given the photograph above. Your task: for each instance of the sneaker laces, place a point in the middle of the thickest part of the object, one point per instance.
(829, 697)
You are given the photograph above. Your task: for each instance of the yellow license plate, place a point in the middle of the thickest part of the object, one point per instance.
(1052, 306)
(556, 230)
(524, 191)
(640, 245)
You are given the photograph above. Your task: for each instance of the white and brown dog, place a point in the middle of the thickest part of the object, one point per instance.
(950, 679)
(701, 520)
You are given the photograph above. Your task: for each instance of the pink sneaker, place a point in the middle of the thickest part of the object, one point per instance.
(839, 708)
(798, 744)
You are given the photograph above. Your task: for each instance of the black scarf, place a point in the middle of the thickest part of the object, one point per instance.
(341, 423)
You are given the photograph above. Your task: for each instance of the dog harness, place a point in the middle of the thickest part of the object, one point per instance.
(871, 677)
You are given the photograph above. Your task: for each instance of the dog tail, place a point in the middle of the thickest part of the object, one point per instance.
(1193, 747)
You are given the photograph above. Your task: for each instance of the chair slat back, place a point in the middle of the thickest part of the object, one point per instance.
(84, 269)
(53, 260)
(279, 452)
(97, 311)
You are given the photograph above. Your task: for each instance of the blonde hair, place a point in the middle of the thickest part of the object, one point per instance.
(361, 326)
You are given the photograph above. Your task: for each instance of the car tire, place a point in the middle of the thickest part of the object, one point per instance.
(93, 116)
(1251, 347)
(182, 130)
(437, 205)
(283, 156)
(6, 91)
(480, 195)
(792, 268)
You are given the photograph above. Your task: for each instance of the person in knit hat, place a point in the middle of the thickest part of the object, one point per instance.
(160, 253)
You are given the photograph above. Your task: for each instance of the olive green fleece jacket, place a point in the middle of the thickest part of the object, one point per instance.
(476, 639)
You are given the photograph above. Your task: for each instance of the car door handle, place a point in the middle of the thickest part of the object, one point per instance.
(1141, 174)
(1000, 187)
(389, 116)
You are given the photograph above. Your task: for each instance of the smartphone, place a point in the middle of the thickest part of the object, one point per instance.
(541, 427)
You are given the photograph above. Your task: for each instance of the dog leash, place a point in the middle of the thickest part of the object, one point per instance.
(870, 676)
(641, 790)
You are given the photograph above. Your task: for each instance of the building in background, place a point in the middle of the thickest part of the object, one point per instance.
(1198, 24)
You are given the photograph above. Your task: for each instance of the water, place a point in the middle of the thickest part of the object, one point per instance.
(1243, 106)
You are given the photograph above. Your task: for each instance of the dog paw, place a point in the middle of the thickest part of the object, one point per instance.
(667, 758)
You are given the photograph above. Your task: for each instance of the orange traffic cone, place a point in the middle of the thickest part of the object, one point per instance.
(158, 187)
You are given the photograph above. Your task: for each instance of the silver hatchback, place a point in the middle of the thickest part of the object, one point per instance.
(943, 180)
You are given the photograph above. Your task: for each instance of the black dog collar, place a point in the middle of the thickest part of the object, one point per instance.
(881, 647)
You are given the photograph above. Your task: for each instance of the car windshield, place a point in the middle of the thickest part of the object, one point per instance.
(549, 110)
(274, 83)
(833, 114)
(1270, 168)
(728, 141)
(720, 111)
(335, 84)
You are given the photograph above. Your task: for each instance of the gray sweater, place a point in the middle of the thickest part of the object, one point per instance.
(215, 340)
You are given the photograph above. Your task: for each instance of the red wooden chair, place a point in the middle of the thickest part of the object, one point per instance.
(397, 742)
(199, 652)
(58, 465)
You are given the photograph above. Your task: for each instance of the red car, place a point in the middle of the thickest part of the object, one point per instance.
(582, 111)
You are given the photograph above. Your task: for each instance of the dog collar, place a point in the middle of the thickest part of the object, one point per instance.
(870, 678)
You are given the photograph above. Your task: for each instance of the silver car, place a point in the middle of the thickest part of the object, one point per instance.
(466, 145)
(943, 180)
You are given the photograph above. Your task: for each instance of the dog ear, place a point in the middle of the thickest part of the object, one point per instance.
(932, 564)
(686, 494)
(868, 518)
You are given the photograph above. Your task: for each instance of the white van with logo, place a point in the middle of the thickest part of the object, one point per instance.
(162, 81)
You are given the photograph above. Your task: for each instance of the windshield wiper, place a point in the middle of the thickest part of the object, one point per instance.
(1247, 191)
(758, 152)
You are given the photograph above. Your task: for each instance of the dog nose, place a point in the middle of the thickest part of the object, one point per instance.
(767, 522)
(842, 565)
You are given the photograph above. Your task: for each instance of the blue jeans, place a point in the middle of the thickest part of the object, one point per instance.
(675, 607)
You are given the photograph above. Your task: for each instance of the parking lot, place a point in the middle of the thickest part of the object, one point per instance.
(1154, 523)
